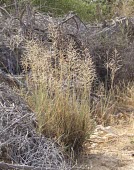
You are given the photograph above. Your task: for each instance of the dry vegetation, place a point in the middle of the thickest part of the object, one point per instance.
(60, 89)
(20, 145)
(73, 82)
(60, 83)
(116, 107)
(124, 8)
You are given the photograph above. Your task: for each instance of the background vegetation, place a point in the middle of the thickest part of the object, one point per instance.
(87, 10)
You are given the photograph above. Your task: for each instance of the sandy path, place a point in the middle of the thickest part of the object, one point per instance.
(110, 148)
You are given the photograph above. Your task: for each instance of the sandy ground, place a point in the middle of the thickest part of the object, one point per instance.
(110, 148)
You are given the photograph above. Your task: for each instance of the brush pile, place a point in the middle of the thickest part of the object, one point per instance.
(19, 142)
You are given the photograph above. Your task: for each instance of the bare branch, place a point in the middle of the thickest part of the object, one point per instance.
(5, 12)
(8, 166)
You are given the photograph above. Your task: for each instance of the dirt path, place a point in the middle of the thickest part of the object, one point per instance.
(110, 148)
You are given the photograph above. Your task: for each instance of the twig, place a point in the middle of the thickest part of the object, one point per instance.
(72, 17)
(111, 28)
(5, 11)
(11, 79)
(15, 122)
(8, 166)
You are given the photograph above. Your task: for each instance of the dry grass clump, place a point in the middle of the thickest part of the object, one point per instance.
(60, 83)
(115, 107)
(127, 97)
(112, 107)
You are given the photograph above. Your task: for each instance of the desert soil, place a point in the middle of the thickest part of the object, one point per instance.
(110, 148)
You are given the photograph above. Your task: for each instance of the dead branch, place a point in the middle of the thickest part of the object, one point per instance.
(112, 28)
(15, 122)
(8, 166)
(11, 79)
(5, 12)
